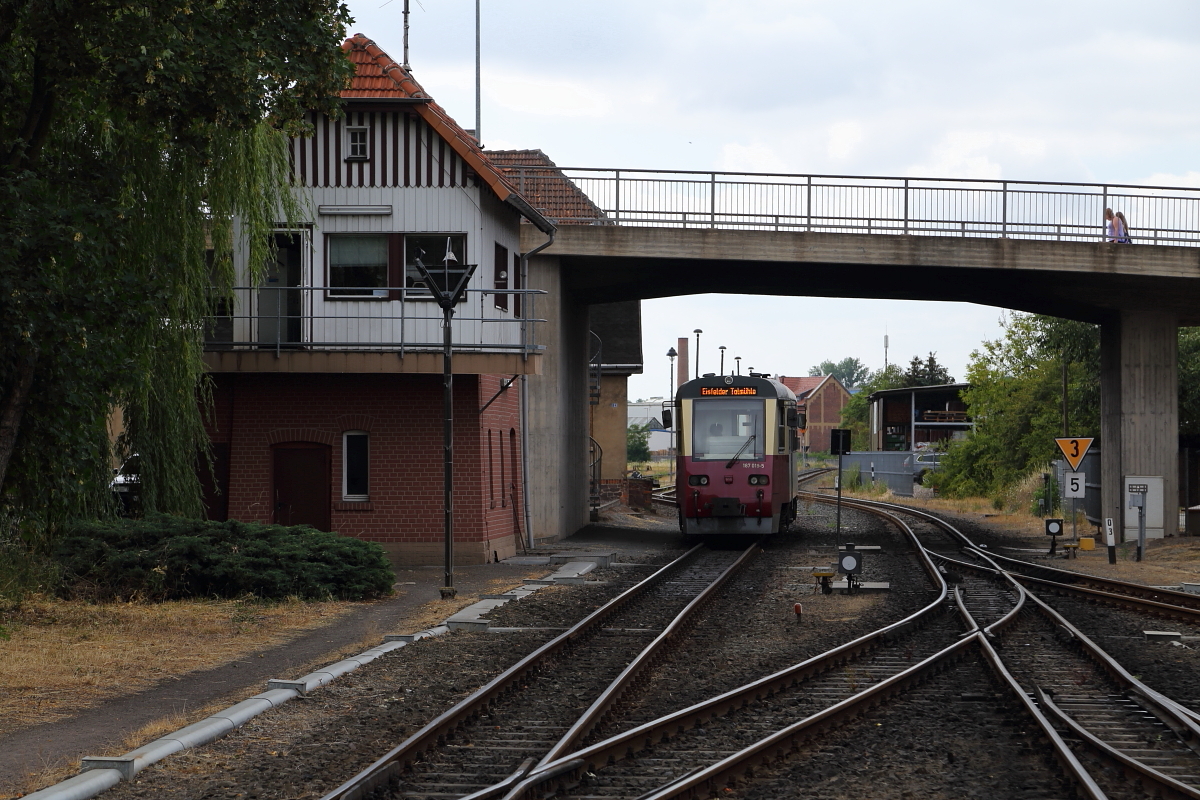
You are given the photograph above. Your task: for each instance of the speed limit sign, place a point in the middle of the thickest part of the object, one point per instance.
(1073, 484)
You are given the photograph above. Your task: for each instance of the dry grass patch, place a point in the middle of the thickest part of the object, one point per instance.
(66, 655)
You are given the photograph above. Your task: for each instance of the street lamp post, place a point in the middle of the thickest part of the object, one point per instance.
(448, 285)
(697, 332)
(722, 349)
(671, 397)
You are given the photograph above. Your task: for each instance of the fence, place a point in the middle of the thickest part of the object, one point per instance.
(840, 204)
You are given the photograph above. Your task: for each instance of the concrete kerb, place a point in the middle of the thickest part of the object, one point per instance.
(99, 774)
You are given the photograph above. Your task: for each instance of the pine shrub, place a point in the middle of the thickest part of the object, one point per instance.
(165, 558)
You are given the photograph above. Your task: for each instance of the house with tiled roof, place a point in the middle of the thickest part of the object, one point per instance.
(327, 368)
(821, 399)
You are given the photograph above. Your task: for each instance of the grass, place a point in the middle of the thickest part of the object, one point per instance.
(64, 655)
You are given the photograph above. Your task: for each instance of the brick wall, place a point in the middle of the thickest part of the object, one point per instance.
(403, 415)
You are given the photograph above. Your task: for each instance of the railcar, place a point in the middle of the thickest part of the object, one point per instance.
(738, 449)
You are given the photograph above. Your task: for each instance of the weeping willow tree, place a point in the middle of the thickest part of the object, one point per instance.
(133, 135)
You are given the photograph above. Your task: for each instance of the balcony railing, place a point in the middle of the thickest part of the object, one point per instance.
(882, 205)
(384, 319)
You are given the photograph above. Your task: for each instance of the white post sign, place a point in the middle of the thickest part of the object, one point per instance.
(1073, 484)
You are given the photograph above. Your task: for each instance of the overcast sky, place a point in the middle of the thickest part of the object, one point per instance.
(1059, 91)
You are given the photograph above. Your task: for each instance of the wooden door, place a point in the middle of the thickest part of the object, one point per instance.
(301, 484)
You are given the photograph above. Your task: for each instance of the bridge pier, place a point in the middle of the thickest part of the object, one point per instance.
(1139, 409)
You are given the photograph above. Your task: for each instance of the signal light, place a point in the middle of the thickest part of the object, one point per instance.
(759, 480)
(697, 480)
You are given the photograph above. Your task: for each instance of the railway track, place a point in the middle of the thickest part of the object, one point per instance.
(672, 750)
(1121, 722)
(552, 698)
(1128, 728)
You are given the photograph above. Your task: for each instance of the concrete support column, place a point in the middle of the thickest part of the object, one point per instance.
(1139, 409)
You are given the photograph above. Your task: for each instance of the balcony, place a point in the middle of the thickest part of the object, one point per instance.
(389, 329)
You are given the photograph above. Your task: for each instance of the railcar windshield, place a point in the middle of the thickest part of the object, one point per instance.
(721, 428)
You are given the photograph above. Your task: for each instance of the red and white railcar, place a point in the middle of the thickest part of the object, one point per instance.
(738, 452)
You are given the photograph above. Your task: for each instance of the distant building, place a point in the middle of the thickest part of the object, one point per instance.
(649, 413)
(918, 417)
(821, 398)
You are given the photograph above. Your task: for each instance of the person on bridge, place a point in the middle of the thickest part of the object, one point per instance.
(1122, 228)
(1110, 226)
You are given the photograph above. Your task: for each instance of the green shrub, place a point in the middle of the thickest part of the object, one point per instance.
(165, 558)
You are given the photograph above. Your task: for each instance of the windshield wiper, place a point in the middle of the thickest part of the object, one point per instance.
(738, 454)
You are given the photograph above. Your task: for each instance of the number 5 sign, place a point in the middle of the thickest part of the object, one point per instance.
(1074, 449)
(1074, 484)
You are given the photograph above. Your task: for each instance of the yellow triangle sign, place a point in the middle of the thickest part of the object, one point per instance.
(1074, 449)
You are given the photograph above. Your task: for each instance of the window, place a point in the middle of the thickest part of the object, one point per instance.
(432, 249)
(358, 265)
(500, 283)
(356, 144)
(355, 461)
(516, 284)
(722, 429)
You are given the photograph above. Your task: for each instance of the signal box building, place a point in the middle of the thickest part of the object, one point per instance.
(327, 370)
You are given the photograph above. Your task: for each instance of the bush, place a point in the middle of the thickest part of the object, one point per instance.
(166, 558)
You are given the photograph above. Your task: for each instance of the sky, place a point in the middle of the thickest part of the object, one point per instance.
(1101, 91)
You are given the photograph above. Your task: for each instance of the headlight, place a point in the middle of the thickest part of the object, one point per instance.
(697, 480)
(759, 480)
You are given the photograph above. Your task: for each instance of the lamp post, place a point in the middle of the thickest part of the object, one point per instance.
(722, 349)
(448, 285)
(670, 398)
(738, 360)
(697, 332)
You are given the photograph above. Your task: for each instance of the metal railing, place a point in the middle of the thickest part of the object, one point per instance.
(845, 204)
(384, 319)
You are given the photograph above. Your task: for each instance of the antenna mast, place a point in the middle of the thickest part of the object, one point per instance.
(406, 67)
(885, 348)
(478, 132)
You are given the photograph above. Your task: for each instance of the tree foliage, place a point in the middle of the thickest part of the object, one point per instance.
(133, 134)
(1015, 400)
(637, 443)
(926, 373)
(850, 372)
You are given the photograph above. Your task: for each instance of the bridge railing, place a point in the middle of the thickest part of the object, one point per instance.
(840, 204)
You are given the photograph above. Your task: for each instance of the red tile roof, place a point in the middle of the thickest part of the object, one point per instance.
(802, 386)
(377, 75)
(545, 186)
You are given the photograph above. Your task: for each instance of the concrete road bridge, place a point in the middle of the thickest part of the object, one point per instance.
(1037, 247)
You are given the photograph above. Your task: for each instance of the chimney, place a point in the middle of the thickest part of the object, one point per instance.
(681, 363)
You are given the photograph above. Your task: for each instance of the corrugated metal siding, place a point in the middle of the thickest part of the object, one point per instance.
(403, 151)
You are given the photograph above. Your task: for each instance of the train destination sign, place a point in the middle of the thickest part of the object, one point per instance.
(727, 391)
(1074, 448)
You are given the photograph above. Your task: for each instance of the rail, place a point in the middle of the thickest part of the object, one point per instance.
(630, 742)
(870, 204)
(396, 760)
(383, 319)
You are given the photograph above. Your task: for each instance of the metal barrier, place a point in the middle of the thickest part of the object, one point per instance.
(846, 204)
(358, 319)
(892, 467)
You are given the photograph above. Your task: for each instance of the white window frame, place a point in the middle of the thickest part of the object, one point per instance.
(351, 155)
(346, 496)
